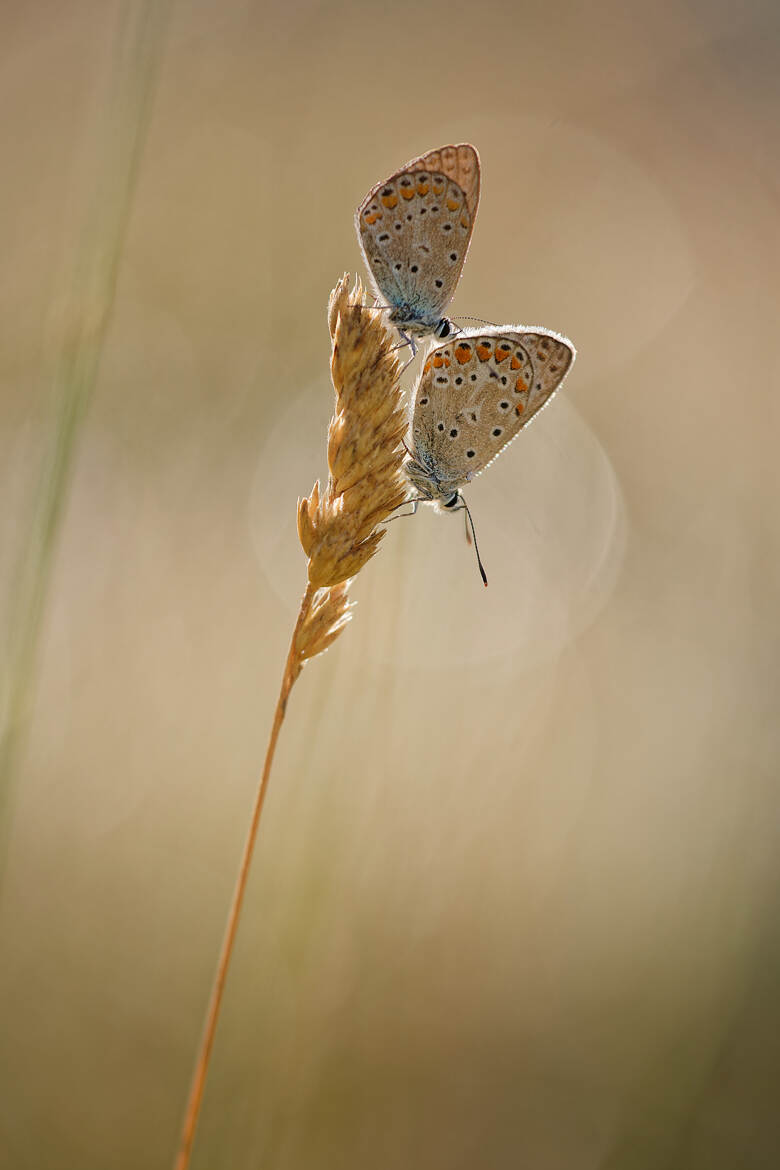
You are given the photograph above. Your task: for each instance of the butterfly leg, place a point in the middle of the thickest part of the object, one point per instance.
(400, 515)
(415, 505)
(408, 341)
(402, 345)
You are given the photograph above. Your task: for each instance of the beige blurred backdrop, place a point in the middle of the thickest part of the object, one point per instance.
(515, 900)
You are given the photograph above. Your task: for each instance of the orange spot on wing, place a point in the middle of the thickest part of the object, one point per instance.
(520, 408)
(462, 353)
(390, 200)
(422, 188)
(437, 188)
(483, 352)
(427, 366)
(438, 361)
(453, 204)
(407, 192)
(501, 354)
(516, 363)
(521, 386)
(464, 221)
(372, 218)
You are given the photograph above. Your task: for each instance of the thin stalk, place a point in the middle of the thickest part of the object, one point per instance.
(136, 56)
(291, 672)
(338, 530)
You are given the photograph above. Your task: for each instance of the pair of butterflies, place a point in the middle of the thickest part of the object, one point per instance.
(477, 391)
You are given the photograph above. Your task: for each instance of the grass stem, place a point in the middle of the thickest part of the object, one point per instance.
(291, 672)
(137, 51)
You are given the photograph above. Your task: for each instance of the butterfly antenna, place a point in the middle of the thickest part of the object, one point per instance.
(479, 321)
(476, 546)
(466, 526)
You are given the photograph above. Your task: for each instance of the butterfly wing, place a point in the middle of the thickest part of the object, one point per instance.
(414, 229)
(477, 392)
(459, 163)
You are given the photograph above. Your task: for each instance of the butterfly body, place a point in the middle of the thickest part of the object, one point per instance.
(473, 397)
(414, 231)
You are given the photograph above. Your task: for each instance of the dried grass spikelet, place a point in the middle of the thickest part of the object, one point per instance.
(330, 612)
(338, 527)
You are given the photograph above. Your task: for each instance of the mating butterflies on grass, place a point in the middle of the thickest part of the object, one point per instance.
(414, 231)
(473, 397)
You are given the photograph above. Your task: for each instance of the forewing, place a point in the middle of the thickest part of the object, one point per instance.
(477, 392)
(415, 227)
(459, 163)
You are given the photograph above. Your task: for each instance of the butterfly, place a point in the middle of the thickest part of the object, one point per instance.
(414, 231)
(473, 397)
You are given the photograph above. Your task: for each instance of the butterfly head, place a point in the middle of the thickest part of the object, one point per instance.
(411, 321)
(444, 328)
(422, 476)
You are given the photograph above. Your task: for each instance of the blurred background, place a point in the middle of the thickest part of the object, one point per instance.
(515, 900)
